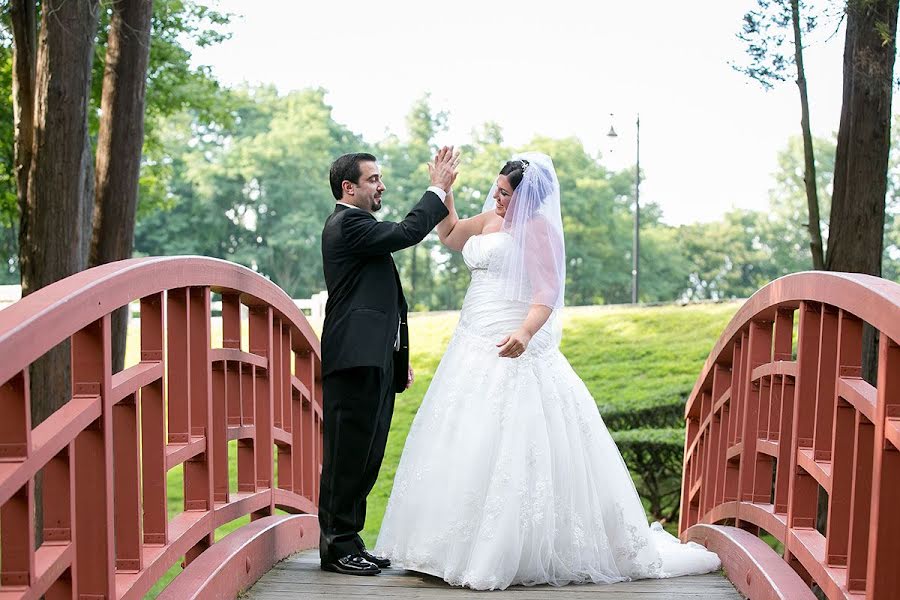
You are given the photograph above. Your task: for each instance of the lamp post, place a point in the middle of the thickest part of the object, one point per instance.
(636, 240)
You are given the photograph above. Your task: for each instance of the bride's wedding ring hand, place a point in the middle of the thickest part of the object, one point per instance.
(513, 345)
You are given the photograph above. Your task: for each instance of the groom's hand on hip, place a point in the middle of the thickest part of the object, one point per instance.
(410, 378)
(445, 168)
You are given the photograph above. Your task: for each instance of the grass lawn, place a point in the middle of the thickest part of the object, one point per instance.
(626, 356)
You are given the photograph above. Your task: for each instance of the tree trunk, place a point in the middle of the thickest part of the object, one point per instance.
(87, 196)
(856, 233)
(50, 245)
(24, 25)
(52, 94)
(809, 177)
(119, 145)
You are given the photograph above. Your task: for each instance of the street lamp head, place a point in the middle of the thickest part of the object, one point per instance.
(612, 132)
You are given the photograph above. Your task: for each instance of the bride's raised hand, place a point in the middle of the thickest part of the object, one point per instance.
(513, 345)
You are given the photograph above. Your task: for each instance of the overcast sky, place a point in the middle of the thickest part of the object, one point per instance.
(709, 136)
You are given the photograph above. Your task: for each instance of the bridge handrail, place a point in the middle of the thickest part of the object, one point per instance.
(105, 454)
(770, 422)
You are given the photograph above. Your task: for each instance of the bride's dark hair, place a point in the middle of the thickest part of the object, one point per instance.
(514, 169)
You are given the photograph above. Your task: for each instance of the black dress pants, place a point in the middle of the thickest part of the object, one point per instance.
(357, 407)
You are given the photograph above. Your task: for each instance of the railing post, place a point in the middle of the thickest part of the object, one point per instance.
(305, 370)
(198, 471)
(803, 490)
(848, 365)
(246, 453)
(178, 342)
(153, 423)
(261, 343)
(283, 383)
(91, 377)
(127, 488)
(827, 380)
(884, 542)
(755, 477)
(219, 437)
(16, 520)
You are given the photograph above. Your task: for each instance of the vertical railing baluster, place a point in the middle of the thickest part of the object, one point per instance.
(16, 517)
(178, 381)
(198, 470)
(305, 369)
(153, 423)
(58, 498)
(246, 455)
(785, 443)
(261, 343)
(231, 338)
(803, 489)
(275, 369)
(860, 504)
(826, 379)
(59, 510)
(848, 365)
(285, 451)
(297, 426)
(17, 525)
(883, 576)
(754, 480)
(127, 486)
(220, 396)
(93, 459)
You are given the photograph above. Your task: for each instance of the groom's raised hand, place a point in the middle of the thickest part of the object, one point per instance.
(445, 168)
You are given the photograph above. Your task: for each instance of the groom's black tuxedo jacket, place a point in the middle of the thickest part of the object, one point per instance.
(365, 299)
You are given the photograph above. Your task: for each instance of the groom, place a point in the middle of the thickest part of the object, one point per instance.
(365, 344)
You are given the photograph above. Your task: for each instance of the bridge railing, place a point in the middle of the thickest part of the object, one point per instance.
(781, 420)
(105, 454)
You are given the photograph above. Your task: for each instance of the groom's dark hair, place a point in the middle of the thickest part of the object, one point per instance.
(346, 168)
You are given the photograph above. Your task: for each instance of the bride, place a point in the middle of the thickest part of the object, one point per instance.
(509, 476)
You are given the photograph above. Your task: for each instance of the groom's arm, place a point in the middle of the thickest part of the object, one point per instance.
(365, 235)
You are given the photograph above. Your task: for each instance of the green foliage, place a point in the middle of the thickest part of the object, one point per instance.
(255, 192)
(173, 87)
(768, 36)
(9, 211)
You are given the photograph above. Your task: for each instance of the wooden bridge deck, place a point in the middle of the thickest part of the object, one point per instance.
(299, 578)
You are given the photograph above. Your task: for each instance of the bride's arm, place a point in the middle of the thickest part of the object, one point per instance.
(515, 343)
(455, 232)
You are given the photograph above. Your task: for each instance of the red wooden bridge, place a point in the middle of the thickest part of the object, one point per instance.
(777, 424)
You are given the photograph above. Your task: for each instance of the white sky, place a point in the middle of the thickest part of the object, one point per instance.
(709, 135)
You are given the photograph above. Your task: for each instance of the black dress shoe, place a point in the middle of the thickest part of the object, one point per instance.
(381, 563)
(352, 564)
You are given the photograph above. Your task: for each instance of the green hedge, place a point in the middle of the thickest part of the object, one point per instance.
(661, 414)
(654, 457)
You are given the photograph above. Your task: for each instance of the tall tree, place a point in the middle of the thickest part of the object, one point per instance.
(119, 145)
(52, 93)
(765, 33)
(856, 237)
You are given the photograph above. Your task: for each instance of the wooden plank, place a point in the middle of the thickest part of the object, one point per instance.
(299, 578)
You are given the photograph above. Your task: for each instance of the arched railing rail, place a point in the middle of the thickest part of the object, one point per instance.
(104, 456)
(772, 421)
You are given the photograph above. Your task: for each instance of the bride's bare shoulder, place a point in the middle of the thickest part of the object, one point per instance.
(491, 224)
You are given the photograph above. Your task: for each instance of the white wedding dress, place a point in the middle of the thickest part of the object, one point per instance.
(509, 475)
